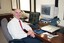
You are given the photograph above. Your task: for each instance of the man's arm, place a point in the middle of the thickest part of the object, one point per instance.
(31, 33)
(29, 30)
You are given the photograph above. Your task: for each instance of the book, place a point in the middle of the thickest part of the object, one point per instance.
(50, 28)
(39, 31)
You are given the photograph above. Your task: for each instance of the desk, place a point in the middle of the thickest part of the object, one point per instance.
(44, 39)
(59, 39)
(42, 24)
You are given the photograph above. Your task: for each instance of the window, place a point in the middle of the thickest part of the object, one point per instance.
(25, 5)
(14, 4)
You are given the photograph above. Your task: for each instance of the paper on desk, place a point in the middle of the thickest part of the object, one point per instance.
(50, 28)
(50, 35)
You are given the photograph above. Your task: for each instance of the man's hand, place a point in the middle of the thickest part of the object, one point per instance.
(31, 33)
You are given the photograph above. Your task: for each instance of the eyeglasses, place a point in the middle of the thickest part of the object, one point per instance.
(17, 12)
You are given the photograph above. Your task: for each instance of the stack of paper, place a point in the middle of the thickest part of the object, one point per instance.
(50, 28)
(50, 35)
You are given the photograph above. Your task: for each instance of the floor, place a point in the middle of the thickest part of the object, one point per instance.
(2, 38)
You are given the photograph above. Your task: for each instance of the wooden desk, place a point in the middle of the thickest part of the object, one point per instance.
(59, 39)
(43, 38)
(41, 24)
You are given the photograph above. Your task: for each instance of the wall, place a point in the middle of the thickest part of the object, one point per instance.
(61, 12)
(14, 6)
(5, 6)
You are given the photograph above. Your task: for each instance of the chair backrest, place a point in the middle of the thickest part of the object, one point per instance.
(34, 17)
(5, 30)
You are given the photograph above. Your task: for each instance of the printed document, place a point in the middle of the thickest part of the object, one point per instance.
(50, 28)
(49, 35)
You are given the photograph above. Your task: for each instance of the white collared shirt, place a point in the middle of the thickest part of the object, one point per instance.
(15, 29)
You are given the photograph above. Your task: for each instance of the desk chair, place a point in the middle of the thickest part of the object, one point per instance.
(34, 19)
(8, 37)
(5, 30)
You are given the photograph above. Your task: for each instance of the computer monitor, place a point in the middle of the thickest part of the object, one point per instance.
(48, 11)
(34, 17)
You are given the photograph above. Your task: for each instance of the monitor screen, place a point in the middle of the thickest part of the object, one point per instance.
(45, 9)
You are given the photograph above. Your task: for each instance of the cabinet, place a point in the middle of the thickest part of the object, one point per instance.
(6, 15)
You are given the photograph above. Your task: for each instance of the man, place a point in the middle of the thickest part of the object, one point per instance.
(16, 29)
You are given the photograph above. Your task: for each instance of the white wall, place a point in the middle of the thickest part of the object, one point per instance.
(5, 6)
(14, 6)
(61, 12)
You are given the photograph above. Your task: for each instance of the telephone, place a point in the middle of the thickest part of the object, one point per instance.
(54, 21)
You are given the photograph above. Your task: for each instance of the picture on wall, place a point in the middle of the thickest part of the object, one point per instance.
(45, 9)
